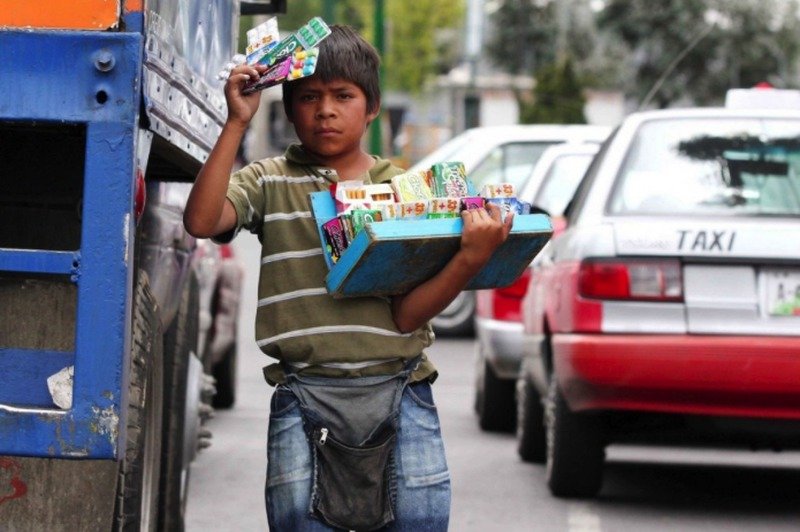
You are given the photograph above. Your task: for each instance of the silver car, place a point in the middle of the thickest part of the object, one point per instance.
(498, 317)
(669, 308)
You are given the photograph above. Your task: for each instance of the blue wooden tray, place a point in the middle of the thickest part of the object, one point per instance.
(394, 256)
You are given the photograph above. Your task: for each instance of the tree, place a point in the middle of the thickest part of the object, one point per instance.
(421, 36)
(557, 98)
(523, 36)
(693, 50)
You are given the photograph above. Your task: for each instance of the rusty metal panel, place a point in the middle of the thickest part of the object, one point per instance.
(60, 14)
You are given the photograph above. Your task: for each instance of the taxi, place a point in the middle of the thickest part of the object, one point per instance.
(670, 304)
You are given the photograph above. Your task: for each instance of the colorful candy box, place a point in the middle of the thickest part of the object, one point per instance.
(393, 256)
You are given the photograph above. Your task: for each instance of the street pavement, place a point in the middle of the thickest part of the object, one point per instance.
(646, 488)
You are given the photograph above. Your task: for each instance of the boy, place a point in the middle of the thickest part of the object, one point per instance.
(354, 439)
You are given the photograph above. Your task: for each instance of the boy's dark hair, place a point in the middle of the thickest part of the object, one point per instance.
(346, 55)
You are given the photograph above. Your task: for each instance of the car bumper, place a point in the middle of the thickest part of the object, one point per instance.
(706, 375)
(502, 345)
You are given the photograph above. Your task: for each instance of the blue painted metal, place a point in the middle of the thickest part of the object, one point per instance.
(133, 21)
(23, 260)
(391, 257)
(55, 76)
(30, 369)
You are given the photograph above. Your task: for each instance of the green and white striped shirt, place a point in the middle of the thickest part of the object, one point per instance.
(297, 321)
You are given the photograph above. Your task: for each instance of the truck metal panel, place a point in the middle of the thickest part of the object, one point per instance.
(187, 43)
(94, 85)
(61, 14)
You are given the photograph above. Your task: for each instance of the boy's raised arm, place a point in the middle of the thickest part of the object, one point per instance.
(208, 213)
(484, 231)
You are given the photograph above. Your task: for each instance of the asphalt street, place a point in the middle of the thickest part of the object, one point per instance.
(646, 488)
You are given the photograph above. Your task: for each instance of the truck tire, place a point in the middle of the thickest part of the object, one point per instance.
(575, 448)
(494, 400)
(531, 444)
(180, 342)
(136, 507)
(224, 372)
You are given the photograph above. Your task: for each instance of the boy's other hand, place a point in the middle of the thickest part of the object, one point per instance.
(241, 107)
(484, 231)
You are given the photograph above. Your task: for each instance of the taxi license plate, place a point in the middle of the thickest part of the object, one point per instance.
(782, 292)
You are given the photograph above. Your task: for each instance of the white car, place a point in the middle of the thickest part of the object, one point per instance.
(669, 307)
(498, 154)
(498, 318)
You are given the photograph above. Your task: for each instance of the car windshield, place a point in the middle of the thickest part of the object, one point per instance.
(560, 182)
(509, 163)
(711, 167)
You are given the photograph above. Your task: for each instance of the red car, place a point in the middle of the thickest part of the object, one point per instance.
(667, 310)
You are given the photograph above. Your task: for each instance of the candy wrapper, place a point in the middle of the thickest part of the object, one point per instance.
(300, 64)
(449, 179)
(413, 210)
(260, 39)
(292, 58)
(390, 211)
(508, 205)
(335, 239)
(411, 186)
(500, 190)
(472, 202)
(362, 217)
(444, 208)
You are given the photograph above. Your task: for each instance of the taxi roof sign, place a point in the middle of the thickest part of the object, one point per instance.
(762, 97)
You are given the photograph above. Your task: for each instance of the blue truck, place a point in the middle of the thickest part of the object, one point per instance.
(107, 110)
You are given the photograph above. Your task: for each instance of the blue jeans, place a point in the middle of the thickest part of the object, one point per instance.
(423, 480)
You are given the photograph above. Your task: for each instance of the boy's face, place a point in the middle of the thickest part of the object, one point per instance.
(330, 118)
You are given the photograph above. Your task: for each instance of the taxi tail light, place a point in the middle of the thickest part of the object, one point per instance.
(640, 280)
(507, 301)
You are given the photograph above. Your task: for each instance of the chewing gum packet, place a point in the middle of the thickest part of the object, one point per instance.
(449, 179)
(292, 58)
(445, 208)
(411, 186)
(300, 64)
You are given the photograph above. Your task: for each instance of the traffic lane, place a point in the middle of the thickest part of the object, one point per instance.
(665, 488)
(645, 488)
(492, 488)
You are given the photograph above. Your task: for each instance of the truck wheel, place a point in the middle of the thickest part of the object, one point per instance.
(180, 341)
(531, 444)
(137, 483)
(495, 401)
(575, 448)
(224, 372)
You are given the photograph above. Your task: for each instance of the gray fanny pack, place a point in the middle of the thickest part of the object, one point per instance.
(352, 426)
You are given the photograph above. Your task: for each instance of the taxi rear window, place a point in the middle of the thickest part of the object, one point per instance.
(711, 167)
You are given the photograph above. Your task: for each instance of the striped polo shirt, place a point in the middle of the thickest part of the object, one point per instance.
(297, 321)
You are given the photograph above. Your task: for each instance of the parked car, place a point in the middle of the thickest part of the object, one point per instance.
(221, 275)
(498, 154)
(669, 307)
(498, 320)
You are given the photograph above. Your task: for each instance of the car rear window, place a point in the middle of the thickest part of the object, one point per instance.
(711, 167)
(560, 182)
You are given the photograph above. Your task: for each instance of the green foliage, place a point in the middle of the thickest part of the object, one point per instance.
(558, 97)
(420, 37)
(524, 36)
(421, 41)
(693, 50)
